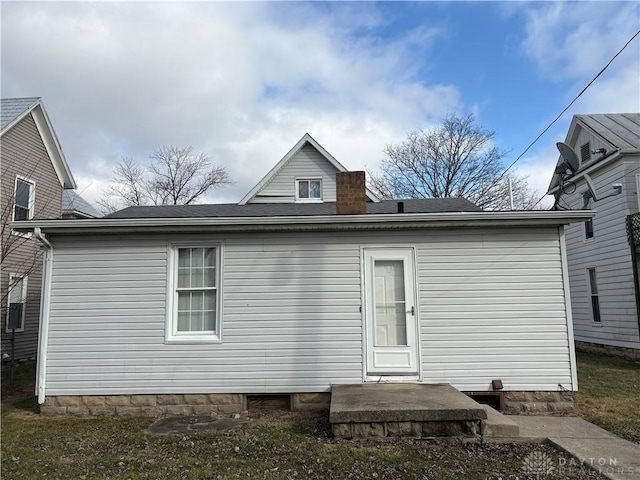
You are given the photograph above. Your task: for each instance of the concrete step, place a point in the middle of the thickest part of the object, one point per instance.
(498, 426)
(403, 410)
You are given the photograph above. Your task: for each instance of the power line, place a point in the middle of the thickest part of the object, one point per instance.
(567, 108)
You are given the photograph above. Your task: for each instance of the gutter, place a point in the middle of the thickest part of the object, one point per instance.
(45, 300)
(308, 222)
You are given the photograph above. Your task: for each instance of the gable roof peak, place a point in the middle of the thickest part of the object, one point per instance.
(13, 110)
(306, 139)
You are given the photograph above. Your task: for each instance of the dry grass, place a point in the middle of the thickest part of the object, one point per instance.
(275, 446)
(288, 446)
(609, 394)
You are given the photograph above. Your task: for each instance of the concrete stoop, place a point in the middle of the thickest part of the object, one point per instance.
(414, 411)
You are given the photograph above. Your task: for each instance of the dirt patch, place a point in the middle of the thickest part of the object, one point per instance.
(193, 424)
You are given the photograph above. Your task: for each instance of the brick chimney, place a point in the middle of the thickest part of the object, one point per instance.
(351, 193)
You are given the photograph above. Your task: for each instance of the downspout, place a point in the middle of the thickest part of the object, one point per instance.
(45, 300)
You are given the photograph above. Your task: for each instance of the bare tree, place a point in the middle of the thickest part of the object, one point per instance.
(174, 176)
(19, 252)
(455, 159)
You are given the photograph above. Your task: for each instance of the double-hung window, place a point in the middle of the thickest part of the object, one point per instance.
(17, 301)
(593, 293)
(588, 229)
(195, 304)
(309, 190)
(23, 199)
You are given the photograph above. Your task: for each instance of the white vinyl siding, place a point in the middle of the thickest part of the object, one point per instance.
(307, 163)
(491, 305)
(609, 253)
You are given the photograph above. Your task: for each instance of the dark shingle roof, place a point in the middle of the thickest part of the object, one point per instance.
(12, 108)
(427, 205)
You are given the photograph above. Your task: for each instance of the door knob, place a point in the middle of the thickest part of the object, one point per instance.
(412, 311)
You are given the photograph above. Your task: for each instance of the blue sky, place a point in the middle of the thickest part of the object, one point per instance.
(244, 81)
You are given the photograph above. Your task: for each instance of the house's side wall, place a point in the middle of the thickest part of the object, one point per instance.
(608, 252)
(584, 135)
(491, 306)
(23, 153)
(306, 163)
(629, 183)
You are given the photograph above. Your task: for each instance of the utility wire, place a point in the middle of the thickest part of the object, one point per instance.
(567, 108)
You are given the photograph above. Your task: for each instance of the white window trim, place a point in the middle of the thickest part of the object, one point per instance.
(589, 295)
(308, 200)
(171, 335)
(32, 196)
(584, 232)
(25, 278)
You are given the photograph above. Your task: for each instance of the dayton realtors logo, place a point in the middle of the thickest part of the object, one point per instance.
(538, 464)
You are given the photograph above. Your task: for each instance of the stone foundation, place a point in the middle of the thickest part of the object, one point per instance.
(229, 404)
(413, 429)
(168, 404)
(632, 354)
(109, 405)
(518, 403)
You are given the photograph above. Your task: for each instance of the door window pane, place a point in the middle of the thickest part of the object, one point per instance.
(390, 303)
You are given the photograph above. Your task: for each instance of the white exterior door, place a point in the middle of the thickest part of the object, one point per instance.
(390, 312)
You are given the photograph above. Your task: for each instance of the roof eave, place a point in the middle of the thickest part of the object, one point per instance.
(590, 169)
(53, 147)
(324, 222)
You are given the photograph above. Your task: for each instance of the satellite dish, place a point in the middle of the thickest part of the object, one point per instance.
(591, 191)
(569, 156)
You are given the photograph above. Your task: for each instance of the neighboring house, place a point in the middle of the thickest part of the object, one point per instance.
(74, 206)
(33, 174)
(604, 293)
(308, 282)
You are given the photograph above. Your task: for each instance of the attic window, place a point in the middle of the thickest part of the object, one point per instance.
(585, 152)
(309, 190)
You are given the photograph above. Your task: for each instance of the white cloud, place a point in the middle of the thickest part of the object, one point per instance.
(570, 42)
(242, 82)
(576, 39)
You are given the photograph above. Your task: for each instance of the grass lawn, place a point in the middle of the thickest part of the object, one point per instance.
(609, 394)
(288, 446)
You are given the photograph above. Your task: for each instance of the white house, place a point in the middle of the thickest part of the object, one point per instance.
(604, 288)
(308, 282)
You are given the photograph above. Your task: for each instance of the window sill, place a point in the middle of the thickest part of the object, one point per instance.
(596, 324)
(309, 200)
(193, 339)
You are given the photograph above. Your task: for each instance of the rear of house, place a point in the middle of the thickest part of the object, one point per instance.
(194, 309)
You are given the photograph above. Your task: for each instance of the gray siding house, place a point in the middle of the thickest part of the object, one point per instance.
(33, 175)
(604, 290)
(310, 281)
